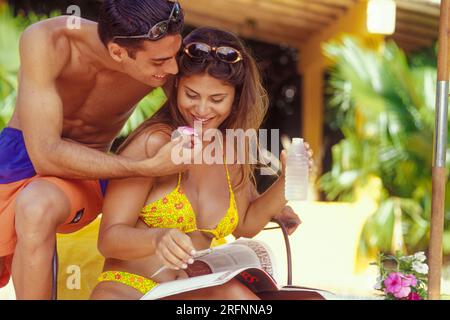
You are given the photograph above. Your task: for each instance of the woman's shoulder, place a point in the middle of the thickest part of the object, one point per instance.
(148, 142)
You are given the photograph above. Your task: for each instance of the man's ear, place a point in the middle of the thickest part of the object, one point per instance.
(117, 52)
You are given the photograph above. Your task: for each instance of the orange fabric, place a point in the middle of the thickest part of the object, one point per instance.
(85, 201)
(4, 277)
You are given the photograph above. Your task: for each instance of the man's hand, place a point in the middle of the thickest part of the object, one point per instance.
(167, 160)
(289, 218)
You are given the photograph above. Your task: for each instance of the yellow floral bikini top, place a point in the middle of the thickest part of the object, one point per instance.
(175, 211)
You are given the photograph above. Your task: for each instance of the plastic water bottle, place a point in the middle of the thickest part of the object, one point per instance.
(296, 185)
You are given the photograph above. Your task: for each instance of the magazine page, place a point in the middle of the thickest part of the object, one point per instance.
(264, 253)
(242, 253)
(183, 285)
(249, 261)
(256, 280)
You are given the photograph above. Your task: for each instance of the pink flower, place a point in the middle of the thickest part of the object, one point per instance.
(403, 292)
(398, 284)
(409, 280)
(414, 296)
(393, 282)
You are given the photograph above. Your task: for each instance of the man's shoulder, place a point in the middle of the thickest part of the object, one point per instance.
(53, 35)
(45, 37)
(60, 23)
(47, 27)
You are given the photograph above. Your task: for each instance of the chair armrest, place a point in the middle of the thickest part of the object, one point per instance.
(288, 247)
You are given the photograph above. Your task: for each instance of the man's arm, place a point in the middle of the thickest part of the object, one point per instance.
(41, 117)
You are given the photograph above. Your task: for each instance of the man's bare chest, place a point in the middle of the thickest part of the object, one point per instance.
(96, 107)
(99, 96)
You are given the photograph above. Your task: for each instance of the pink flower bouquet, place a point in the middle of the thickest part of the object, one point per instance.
(402, 277)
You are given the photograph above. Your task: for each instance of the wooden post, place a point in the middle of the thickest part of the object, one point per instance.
(440, 146)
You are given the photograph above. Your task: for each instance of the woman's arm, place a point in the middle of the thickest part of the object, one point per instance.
(118, 237)
(258, 211)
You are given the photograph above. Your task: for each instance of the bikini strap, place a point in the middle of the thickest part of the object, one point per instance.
(179, 180)
(228, 174)
(226, 169)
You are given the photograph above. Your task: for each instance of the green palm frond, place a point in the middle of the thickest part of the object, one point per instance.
(145, 109)
(11, 27)
(383, 103)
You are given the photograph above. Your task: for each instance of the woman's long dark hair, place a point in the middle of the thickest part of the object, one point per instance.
(250, 103)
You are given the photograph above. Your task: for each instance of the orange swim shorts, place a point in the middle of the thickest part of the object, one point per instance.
(16, 173)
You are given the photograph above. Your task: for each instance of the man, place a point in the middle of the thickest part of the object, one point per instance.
(76, 90)
(77, 87)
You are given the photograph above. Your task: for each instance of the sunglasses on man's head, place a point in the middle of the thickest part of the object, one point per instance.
(159, 30)
(200, 50)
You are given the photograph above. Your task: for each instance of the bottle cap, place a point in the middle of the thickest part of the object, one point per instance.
(297, 146)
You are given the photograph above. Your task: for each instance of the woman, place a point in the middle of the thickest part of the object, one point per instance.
(152, 223)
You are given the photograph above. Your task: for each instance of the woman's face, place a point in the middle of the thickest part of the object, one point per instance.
(204, 99)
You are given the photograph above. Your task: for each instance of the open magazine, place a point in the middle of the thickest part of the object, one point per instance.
(247, 260)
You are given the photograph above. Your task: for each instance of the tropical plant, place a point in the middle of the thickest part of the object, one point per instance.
(145, 109)
(402, 277)
(11, 28)
(383, 103)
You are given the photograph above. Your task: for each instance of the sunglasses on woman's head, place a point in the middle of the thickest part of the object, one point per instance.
(200, 50)
(159, 30)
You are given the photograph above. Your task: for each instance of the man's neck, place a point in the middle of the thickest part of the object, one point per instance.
(96, 54)
(103, 61)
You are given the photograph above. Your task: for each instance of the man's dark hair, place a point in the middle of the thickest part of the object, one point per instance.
(130, 18)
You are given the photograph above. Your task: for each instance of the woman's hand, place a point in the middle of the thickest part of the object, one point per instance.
(289, 218)
(309, 152)
(310, 156)
(175, 249)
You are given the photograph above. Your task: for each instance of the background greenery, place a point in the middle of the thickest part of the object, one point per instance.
(10, 30)
(383, 102)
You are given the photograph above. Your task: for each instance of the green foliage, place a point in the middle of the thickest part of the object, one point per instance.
(11, 27)
(145, 109)
(383, 102)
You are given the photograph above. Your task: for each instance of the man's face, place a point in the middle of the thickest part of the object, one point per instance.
(155, 62)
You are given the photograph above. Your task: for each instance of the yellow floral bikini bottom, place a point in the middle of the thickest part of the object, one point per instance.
(135, 281)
